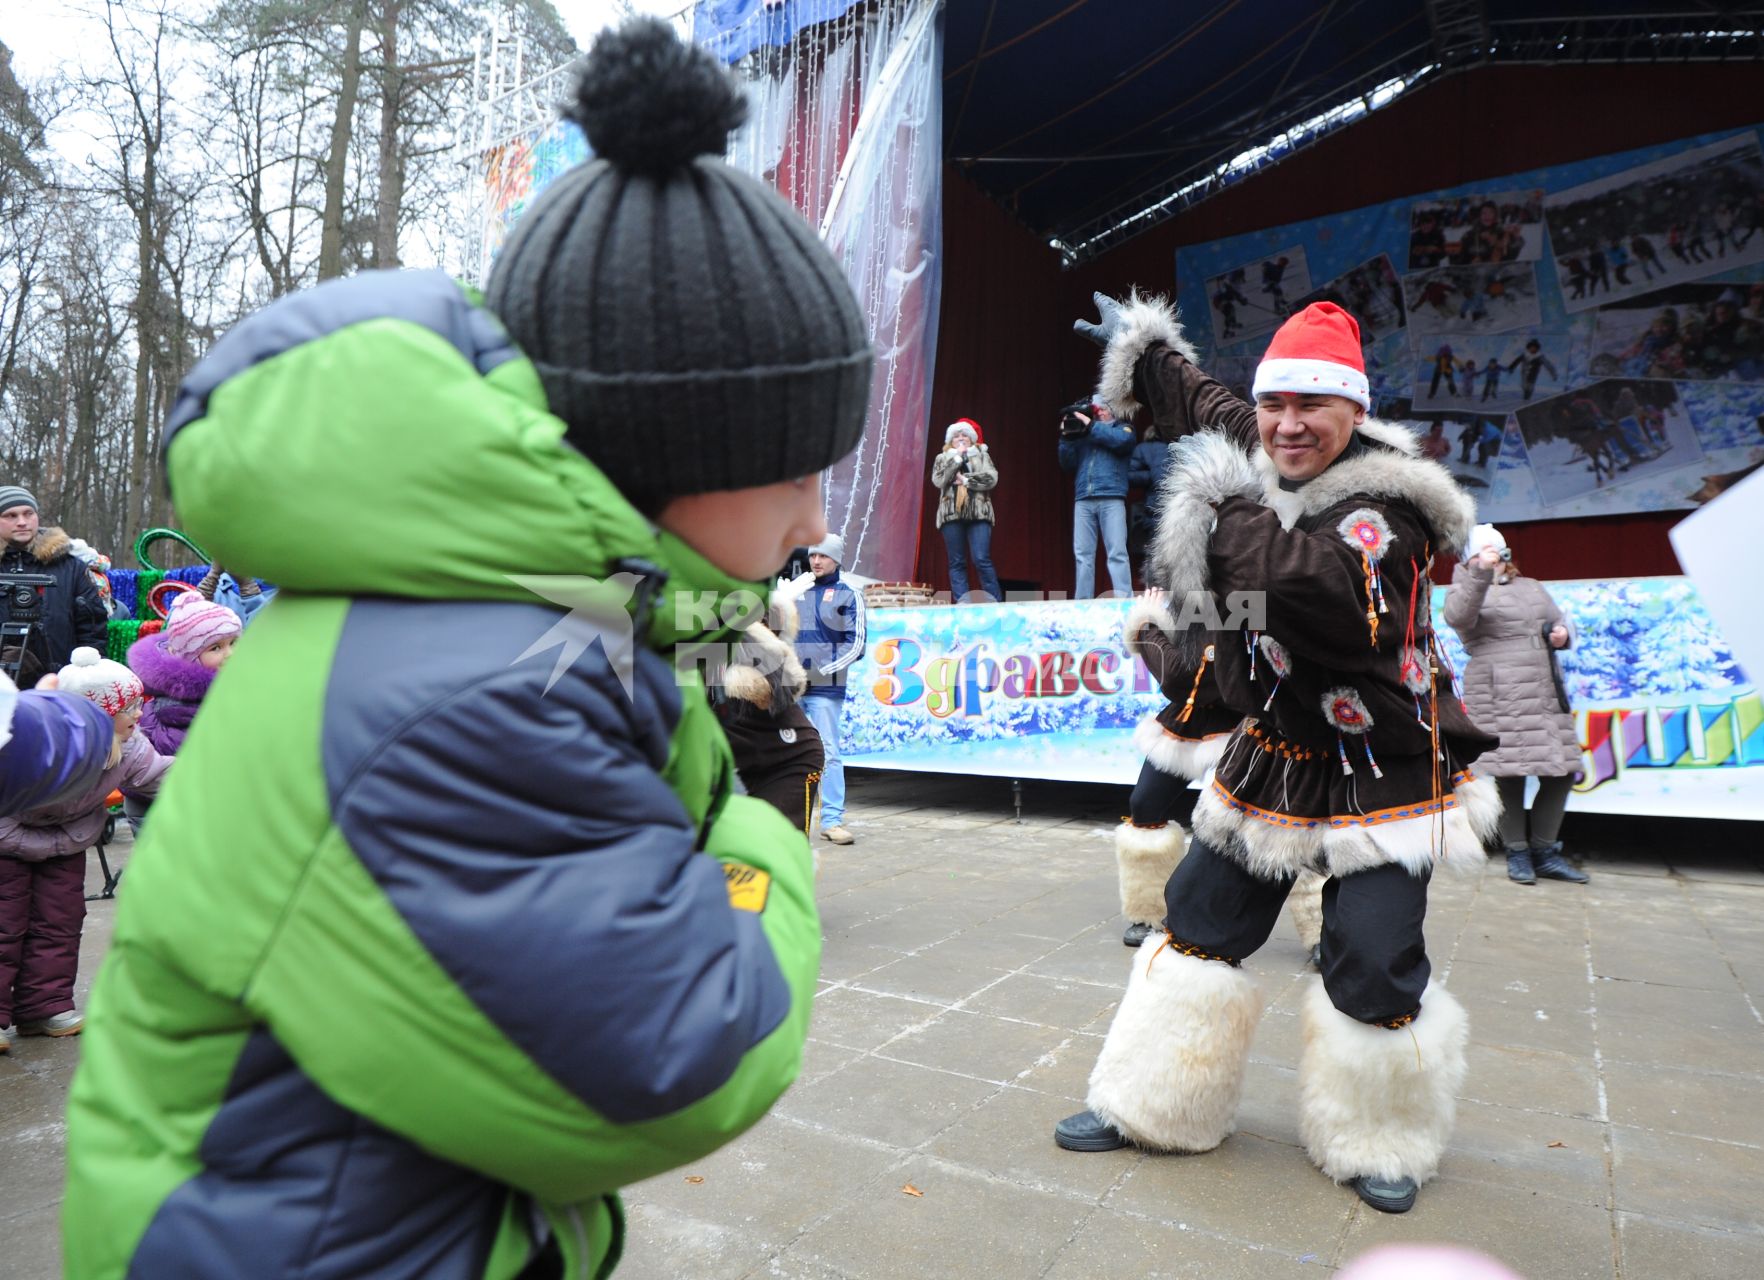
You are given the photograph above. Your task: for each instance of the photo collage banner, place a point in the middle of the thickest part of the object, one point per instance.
(1580, 340)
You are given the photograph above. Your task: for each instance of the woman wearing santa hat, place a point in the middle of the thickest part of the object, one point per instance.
(965, 478)
(1309, 528)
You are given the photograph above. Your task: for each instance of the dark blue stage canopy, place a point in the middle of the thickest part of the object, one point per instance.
(1092, 120)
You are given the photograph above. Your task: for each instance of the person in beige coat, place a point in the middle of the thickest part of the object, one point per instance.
(1513, 688)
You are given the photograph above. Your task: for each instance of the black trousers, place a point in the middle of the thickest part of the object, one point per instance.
(1375, 963)
(1160, 798)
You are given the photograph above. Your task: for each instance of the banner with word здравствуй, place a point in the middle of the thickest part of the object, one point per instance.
(1668, 722)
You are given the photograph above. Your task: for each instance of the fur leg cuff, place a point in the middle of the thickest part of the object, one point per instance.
(1171, 1071)
(1378, 1102)
(1305, 902)
(1145, 857)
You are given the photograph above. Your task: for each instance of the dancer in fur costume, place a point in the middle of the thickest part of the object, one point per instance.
(1351, 761)
(1181, 743)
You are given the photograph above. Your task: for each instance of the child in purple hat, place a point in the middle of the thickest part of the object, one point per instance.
(179, 663)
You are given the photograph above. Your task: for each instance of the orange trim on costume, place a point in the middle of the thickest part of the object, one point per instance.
(1338, 822)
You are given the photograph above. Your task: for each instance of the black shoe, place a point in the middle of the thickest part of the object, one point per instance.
(1551, 865)
(1317, 957)
(1136, 934)
(1086, 1131)
(1519, 869)
(1392, 1196)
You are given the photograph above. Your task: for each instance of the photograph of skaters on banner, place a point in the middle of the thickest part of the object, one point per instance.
(1481, 228)
(1492, 374)
(1687, 216)
(1236, 372)
(1698, 332)
(1469, 445)
(1372, 293)
(1607, 433)
(1471, 300)
(1255, 298)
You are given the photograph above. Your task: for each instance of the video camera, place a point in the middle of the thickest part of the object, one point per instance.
(22, 596)
(1076, 418)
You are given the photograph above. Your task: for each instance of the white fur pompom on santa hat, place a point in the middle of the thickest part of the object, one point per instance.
(1316, 352)
(110, 684)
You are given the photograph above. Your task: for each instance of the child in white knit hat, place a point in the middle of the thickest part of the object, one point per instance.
(43, 861)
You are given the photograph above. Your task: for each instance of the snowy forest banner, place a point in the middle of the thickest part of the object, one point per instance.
(1579, 340)
(1668, 722)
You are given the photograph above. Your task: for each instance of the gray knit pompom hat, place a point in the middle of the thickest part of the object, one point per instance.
(690, 328)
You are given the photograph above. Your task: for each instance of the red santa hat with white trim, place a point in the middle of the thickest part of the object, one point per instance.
(1316, 352)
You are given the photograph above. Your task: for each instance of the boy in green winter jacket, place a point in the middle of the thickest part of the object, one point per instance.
(451, 922)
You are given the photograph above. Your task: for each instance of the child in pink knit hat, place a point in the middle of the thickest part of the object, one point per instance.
(178, 664)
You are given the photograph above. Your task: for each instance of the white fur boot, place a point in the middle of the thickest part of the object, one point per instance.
(1171, 1070)
(1376, 1102)
(1145, 858)
(1305, 904)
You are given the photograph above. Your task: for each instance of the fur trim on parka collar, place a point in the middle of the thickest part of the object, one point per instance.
(1209, 467)
(52, 543)
(1145, 321)
(1392, 468)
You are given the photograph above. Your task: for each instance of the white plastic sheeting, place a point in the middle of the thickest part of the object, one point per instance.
(845, 121)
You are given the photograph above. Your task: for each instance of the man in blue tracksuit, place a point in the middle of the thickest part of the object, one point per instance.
(1097, 447)
(830, 640)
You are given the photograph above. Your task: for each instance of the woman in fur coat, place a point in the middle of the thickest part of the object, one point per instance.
(1310, 539)
(1513, 688)
(965, 478)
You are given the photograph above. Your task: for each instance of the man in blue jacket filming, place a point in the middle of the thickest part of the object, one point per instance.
(1097, 448)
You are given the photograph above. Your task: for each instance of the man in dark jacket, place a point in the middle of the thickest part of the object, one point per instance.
(72, 610)
(1097, 447)
(831, 639)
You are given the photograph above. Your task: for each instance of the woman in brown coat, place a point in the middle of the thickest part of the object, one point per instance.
(1512, 687)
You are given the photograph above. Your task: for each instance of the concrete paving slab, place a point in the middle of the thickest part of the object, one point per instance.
(963, 1224)
(1689, 1103)
(1659, 1247)
(1694, 1180)
(1120, 1244)
(1250, 1190)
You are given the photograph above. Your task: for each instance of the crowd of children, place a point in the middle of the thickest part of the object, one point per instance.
(45, 836)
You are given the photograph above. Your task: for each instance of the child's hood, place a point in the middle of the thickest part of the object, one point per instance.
(381, 435)
(165, 674)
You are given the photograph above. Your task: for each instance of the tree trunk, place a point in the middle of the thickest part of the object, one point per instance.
(391, 158)
(337, 161)
(147, 336)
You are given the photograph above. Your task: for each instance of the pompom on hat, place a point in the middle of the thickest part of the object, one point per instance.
(963, 424)
(110, 684)
(655, 279)
(194, 623)
(1316, 352)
